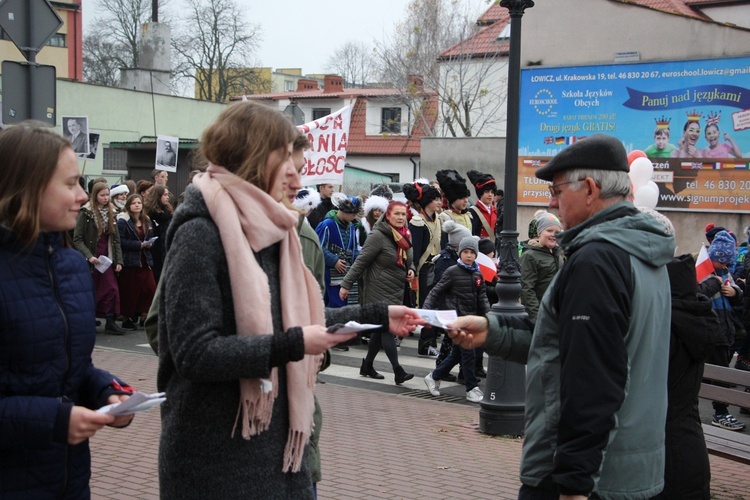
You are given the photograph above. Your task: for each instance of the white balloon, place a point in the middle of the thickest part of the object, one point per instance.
(646, 196)
(653, 186)
(640, 172)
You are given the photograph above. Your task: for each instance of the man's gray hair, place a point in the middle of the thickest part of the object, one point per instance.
(614, 184)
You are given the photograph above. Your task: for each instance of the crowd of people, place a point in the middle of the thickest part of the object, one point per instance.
(395, 249)
(120, 231)
(243, 281)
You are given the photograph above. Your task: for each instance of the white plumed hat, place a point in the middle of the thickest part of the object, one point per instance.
(306, 200)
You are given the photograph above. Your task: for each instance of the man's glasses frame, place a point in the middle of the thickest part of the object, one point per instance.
(554, 189)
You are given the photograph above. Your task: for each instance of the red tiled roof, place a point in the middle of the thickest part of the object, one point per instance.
(492, 15)
(493, 21)
(483, 43)
(679, 7)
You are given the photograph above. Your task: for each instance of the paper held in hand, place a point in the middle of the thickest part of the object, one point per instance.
(439, 319)
(350, 327)
(136, 403)
(104, 263)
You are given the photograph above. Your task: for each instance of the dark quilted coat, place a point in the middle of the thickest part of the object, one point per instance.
(460, 289)
(131, 243)
(46, 338)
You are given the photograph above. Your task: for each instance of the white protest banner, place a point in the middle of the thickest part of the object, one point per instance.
(329, 136)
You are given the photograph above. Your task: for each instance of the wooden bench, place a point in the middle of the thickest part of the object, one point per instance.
(734, 445)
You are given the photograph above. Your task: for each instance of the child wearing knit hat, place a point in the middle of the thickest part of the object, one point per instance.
(453, 233)
(545, 220)
(461, 288)
(724, 295)
(540, 262)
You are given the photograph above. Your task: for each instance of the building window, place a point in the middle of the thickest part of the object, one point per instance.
(114, 159)
(57, 40)
(289, 86)
(505, 33)
(390, 121)
(320, 112)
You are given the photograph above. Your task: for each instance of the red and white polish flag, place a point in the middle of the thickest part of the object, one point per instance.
(487, 267)
(703, 266)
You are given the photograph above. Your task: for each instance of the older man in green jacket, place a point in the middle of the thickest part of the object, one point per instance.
(596, 390)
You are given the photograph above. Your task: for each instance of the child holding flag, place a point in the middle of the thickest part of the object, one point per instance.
(719, 286)
(462, 288)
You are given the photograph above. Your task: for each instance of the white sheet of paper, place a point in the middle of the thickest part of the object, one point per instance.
(104, 263)
(438, 318)
(351, 327)
(136, 403)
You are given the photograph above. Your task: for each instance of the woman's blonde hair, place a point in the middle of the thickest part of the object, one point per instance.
(29, 153)
(110, 223)
(243, 137)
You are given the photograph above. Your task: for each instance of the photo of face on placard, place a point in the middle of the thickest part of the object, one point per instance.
(76, 130)
(93, 147)
(166, 153)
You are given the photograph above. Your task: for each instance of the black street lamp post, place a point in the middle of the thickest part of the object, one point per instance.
(502, 409)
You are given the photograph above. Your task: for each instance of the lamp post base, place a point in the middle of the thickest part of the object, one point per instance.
(502, 409)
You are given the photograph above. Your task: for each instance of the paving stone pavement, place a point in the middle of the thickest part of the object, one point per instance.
(374, 444)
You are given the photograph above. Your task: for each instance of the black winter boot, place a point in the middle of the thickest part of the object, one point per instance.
(401, 375)
(111, 327)
(368, 371)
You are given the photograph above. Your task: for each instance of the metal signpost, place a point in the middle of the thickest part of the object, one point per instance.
(29, 89)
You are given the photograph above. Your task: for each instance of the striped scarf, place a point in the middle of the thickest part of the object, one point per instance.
(402, 237)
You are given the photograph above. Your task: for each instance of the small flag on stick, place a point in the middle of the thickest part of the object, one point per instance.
(703, 266)
(487, 267)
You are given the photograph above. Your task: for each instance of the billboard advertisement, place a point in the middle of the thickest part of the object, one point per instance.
(691, 118)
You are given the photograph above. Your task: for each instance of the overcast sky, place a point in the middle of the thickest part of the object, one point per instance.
(304, 33)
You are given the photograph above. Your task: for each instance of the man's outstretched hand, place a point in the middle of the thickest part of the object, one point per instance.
(469, 331)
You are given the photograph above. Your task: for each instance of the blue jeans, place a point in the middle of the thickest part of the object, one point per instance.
(466, 358)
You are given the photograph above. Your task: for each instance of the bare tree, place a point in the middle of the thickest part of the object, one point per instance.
(102, 59)
(113, 41)
(123, 19)
(354, 62)
(430, 27)
(214, 45)
(469, 97)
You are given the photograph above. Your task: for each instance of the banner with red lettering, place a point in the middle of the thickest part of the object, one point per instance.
(329, 136)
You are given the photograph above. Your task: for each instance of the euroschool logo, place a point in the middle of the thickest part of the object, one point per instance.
(543, 102)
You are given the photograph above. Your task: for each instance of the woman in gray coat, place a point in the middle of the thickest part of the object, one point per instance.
(386, 263)
(241, 322)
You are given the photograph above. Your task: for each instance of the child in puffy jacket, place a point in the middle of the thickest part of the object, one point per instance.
(461, 288)
(725, 295)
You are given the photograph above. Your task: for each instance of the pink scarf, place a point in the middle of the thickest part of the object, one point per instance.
(249, 220)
